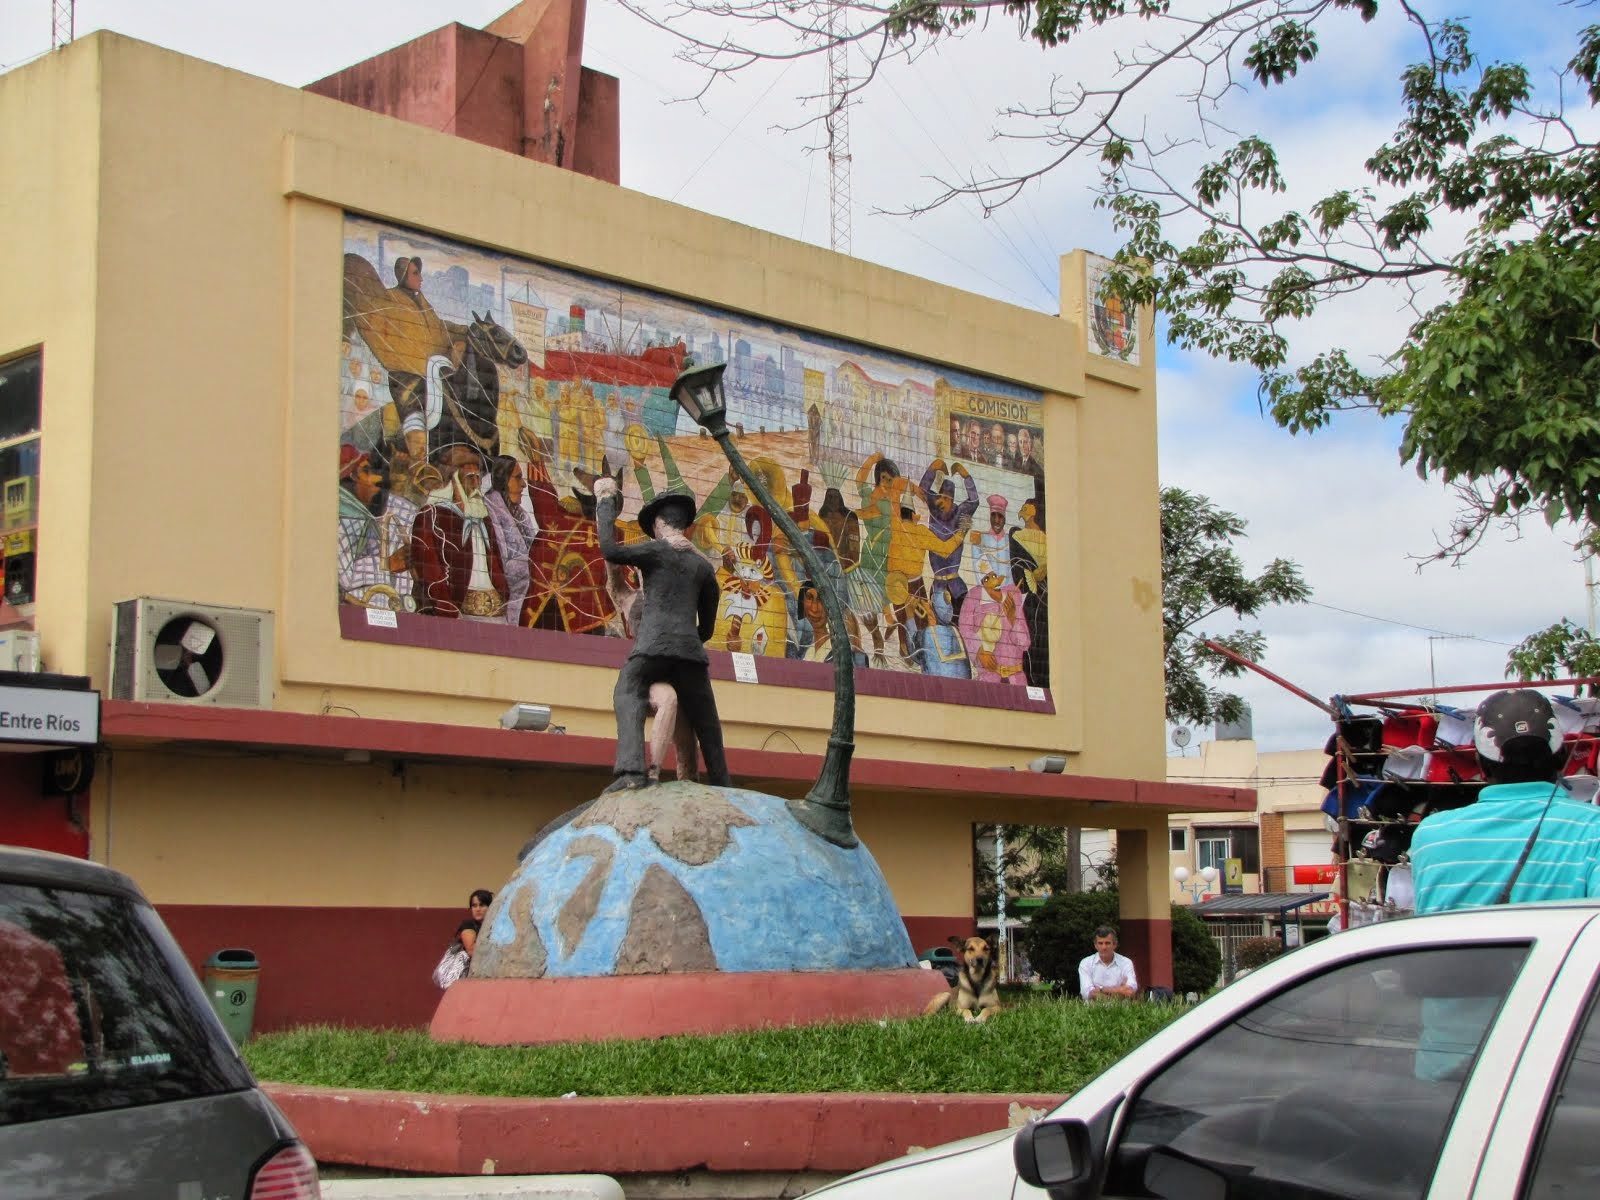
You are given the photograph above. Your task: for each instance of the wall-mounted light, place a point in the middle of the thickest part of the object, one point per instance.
(1049, 764)
(526, 716)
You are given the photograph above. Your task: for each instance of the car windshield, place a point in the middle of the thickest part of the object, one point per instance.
(98, 1010)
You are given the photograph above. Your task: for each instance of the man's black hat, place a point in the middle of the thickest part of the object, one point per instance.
(682, 501)
(1518, 722)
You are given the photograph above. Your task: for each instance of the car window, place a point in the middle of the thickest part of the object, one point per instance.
(1340, 1086)
(97, 1009)
(1565, 1163)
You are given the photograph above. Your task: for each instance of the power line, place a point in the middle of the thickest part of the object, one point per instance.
(734, 128)
(1350, 612)
(996, 229)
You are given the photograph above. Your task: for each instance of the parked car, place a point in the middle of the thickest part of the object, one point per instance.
(116, 1078)
(1452, 1056)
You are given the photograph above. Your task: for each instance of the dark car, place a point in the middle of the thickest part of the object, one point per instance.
(116, 1078)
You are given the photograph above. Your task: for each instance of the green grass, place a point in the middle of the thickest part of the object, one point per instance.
(1038, 1046)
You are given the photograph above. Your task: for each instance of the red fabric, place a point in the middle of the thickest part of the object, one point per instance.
(1410, 729)
(566, 565)
(441, 556)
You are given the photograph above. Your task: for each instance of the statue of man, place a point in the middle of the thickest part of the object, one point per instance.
(668, 646)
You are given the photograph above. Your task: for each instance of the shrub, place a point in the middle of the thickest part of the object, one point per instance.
(1061, 935)
(1257, 952)
(1196, 960)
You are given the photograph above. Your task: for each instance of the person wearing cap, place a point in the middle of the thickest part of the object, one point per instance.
(946, 516)
(1525, 838)
(994, 543)
(680, 612)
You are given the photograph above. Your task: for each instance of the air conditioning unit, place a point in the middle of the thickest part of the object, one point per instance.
(19, 650)
(178, 652)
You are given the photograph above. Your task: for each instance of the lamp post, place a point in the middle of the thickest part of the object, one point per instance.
(1197, 889)
(825, 809)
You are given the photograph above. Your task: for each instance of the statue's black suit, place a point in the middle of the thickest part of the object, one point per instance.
(680, 610)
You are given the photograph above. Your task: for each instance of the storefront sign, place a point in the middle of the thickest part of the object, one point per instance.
(49, 716)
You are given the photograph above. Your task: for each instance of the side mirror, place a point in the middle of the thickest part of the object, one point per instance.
(1057, 1156)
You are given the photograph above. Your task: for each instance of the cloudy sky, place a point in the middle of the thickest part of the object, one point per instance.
(1339, 503)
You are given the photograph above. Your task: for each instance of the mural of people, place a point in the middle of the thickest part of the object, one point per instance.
(407, 337)
(1029, 571)
(513, 529)
(567, 573)
(943, 652)
(994, 543)
(468, 458)
(995, 631)
(454, 555)
(374, 535)
(911, 545)
(946, 516)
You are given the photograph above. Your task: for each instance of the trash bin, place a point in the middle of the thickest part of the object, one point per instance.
(230, 978)
(944, 961)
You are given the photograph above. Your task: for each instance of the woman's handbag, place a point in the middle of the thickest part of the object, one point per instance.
(452, 966)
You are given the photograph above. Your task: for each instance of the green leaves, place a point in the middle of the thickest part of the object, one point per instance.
(1202, 576)
(1562, 650)
(1278, 53)
(1503, 384)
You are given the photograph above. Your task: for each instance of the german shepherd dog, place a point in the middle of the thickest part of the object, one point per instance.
(976, 992)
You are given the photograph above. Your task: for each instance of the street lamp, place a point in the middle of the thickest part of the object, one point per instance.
(1197, 889)
(825, 809)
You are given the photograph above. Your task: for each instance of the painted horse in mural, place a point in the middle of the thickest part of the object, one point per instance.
(468, 403)
(443, 375)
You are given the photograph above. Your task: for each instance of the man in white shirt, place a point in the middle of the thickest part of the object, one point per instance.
(1106, 973)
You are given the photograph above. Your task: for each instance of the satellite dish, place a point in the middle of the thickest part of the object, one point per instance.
(1181, 736)
(188, 656)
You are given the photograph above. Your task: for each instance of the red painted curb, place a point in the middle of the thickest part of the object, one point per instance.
(472, 1135)
(531, 1012)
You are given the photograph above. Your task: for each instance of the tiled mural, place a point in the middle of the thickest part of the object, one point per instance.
(482, 395)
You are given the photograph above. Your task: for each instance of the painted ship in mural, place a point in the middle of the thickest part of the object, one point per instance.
(482, 395)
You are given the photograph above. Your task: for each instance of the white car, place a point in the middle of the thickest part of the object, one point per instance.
(1450, 1057)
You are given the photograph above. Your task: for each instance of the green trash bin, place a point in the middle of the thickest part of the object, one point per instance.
(230, 978)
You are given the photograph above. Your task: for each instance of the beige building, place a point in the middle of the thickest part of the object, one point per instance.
(299, 748)
(1286, 830)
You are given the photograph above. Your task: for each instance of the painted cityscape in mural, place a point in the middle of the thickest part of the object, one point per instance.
(482, 395)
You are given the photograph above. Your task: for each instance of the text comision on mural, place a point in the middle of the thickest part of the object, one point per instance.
(482, 395)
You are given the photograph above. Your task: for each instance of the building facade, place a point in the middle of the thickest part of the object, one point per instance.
(321, 395)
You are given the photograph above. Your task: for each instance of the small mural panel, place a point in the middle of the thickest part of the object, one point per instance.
(1113, 326)
(482, 395)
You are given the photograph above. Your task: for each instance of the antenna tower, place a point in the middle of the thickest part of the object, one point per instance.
(838, 130)
(61, 17)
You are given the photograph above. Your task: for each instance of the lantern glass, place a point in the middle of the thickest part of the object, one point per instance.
(699, 393)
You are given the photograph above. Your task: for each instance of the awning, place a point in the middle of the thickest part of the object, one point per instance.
(129, 723)
(1260, 904)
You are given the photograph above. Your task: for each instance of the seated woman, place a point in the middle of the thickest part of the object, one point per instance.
(477, 908)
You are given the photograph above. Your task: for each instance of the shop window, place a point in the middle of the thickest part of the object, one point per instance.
(20, 394)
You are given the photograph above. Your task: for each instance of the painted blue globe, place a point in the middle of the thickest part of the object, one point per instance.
(689, 877)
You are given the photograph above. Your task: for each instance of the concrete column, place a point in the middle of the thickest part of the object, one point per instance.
(1146, 924)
